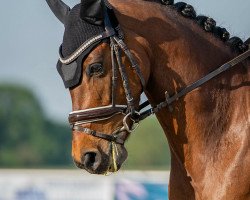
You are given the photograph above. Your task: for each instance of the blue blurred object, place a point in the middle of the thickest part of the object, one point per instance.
(30, 194)
(129, 190)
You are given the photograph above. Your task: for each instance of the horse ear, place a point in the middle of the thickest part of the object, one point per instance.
(59, 8)
(92, 11)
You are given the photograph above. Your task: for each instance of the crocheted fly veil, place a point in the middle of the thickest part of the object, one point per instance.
(84, 29)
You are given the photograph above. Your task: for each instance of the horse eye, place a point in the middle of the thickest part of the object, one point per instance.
(95, 69)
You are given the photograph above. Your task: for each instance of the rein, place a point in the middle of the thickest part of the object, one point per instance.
(170, 99)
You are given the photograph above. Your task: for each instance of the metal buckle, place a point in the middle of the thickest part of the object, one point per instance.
(125, 124)
(167, 97)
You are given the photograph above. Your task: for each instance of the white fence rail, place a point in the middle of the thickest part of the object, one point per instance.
(78, 185)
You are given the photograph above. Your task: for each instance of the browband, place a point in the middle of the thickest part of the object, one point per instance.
(96, 39)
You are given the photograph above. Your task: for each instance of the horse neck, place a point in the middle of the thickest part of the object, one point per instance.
(180, 51)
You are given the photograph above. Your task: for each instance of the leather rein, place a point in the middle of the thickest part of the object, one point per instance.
(129, 111)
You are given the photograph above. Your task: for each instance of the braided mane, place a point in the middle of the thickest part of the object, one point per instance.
(208, 24)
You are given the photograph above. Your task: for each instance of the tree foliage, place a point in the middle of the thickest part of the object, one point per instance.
(29, 139)
(148, 147)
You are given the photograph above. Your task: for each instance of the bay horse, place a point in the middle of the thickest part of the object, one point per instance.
(114, 50)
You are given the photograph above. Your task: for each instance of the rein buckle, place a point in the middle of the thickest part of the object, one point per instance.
(167, 97)
(134, 125)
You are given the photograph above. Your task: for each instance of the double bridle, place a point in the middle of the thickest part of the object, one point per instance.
(129, 111)
(80, 117)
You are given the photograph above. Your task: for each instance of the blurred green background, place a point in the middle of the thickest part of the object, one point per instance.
(29, 139)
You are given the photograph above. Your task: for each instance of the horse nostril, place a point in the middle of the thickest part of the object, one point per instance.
(91, 160)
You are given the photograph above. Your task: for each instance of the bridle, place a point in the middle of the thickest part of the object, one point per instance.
(80, 117)
(129, 111)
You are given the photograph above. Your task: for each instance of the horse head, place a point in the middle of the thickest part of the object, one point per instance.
(105, 83)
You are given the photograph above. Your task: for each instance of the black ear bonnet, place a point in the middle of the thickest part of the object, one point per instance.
(71, 73)
(80, 28)
(77, 31)
(94, 14)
